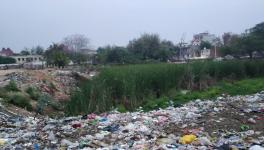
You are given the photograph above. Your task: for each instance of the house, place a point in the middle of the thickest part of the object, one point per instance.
(206, 37)
(195, 52)
(21, 59)
(6, 52)
(88, 51)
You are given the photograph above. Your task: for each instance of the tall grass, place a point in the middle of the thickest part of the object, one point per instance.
(133, 85)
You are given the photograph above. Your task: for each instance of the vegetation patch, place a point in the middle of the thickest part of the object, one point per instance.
(12, 86)
(3, 93)
(19, 100)
(33, 93)
(7, 60)
(133, 85)
(177, 98)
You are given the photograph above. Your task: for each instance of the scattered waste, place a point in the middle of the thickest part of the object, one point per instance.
(225, 123)
(256, 147)
(187, 139)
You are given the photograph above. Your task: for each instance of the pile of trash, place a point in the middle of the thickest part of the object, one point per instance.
(58, 83)
(64, 77)
(19, 77)
(224, 123)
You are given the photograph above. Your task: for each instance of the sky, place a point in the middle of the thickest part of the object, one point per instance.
(28, 23)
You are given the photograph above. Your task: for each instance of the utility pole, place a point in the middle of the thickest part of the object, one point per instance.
(182, 45)
(215, 51)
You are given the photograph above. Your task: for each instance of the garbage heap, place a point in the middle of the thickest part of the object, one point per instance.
(19, 77)
(223, 123)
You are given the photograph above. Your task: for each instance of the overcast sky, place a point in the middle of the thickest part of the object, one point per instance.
(27, 23)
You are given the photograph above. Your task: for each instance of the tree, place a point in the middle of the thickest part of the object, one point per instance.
(76, 42)
(258, 30)
(55, 55)
(205, 45)
(252, 40)
(114, 54)
(257, 33)
(249, 44)
(150, 46)
(25, 51)
(38, 50)
(7, 60)
(167, 49)
(146, 46)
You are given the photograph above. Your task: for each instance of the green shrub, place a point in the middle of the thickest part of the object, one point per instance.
(33, 93)
(46, 100)
(121, 108)
(20, 100)
(55, 105)
(156, 104)
(12, 86)
(7, 60)
(3, 93)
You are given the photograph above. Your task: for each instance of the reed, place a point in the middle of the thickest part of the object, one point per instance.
(132, 86)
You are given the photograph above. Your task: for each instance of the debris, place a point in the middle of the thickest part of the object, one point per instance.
(251, 120)
(76, 125)
(3, 141)
(201, 124)
(187, 139)
(204, 141)
(256, 147)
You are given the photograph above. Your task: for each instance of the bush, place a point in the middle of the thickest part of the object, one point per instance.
(134, 85)
(45, 100)
(55, 105)
(12, 86)
(20, 100)
(3, 93)
(121, 108)
(7, 60)
(33, 93)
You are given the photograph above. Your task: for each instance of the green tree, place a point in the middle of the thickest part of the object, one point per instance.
(12, 86)
(7, 60)
(55, 55)
(245, 44)
(206, 45)
(150, 46)
(167, 50)
(258, 30)
(114, 54)
(25, 51)
(146, 46)
(38, 50)
(249, 44)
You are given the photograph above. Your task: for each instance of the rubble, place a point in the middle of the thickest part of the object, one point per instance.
(220, 124)
(57, 83)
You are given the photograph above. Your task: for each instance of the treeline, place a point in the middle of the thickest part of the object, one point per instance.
(148, 47)
(252, 40)
(7, 60)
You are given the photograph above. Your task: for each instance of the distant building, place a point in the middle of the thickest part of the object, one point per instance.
(21, 59)
(206, 37)
(6, 52)
(195, 52)
(88, 51)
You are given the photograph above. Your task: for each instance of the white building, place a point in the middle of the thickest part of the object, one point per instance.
(206, 37)
(21, 59)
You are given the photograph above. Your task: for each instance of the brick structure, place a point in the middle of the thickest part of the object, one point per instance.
(6, 52)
